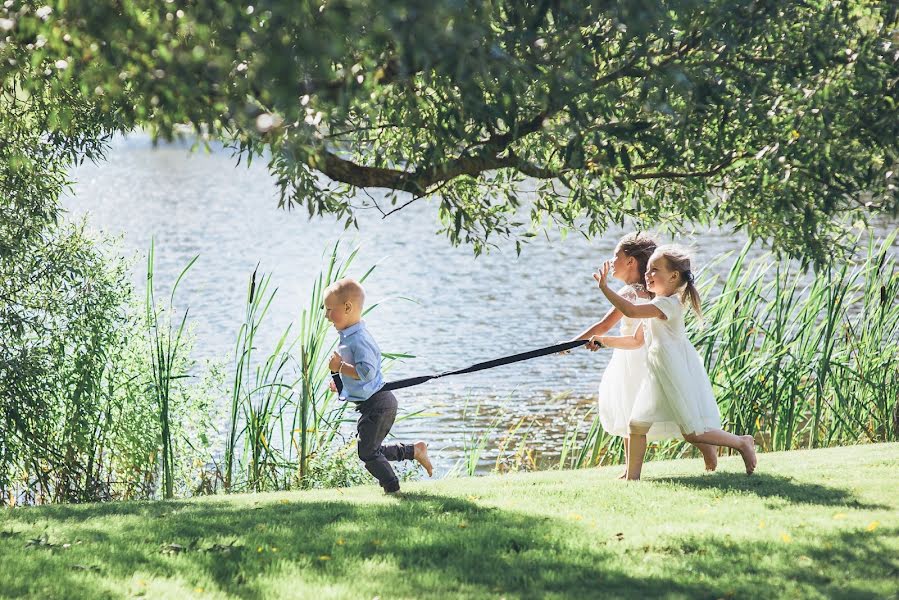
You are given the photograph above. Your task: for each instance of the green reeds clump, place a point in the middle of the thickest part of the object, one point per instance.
(282, 414)
(807, 364)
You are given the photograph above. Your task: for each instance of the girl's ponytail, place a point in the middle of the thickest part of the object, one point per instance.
(691, 293)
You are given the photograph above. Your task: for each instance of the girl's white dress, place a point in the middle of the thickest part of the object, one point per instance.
(676, 395)
(623, 376)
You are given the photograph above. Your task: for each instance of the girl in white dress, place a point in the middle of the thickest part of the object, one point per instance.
(626, 370)
(675, 398)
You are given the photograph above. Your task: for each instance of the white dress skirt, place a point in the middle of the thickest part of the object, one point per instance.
(676, 395)
(623, 377)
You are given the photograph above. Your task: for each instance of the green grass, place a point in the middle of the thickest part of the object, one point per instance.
(817, 523)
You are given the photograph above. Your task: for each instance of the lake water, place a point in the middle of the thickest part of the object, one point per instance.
(437, 302)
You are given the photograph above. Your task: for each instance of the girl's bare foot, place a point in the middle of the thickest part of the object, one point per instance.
(710, 456)
(421, 455)
(748, 453)
(623, 475)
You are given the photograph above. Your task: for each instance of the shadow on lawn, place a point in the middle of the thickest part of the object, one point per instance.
(419, 545)
(766, 485)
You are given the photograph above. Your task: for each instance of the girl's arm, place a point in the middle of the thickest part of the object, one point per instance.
(623, 342)
(602, 326)
(627, 308)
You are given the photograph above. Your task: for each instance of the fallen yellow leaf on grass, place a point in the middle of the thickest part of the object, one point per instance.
(786, 538)
(872, 526)
(324, 557)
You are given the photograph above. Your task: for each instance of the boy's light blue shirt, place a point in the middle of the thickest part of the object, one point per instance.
(358, 348)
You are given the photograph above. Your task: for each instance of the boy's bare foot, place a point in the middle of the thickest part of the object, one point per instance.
(421, 455)
(710, 456)
(748, 453)
(623, 475)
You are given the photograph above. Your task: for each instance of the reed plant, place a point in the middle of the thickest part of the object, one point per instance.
(165, 340)
(474, 441)
(282, 415)
(807, 364)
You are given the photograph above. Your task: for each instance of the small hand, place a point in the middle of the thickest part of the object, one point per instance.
(603, 275)
(334, 363)
(594, 344)
(332, 386)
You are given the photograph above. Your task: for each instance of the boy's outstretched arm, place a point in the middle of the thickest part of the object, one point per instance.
(627, 308)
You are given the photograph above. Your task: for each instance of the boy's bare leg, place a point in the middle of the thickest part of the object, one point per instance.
(635, 456)
(421, 455)
(744, 444)
(709, 455)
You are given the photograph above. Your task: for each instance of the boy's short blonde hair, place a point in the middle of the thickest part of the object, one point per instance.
(347, 290)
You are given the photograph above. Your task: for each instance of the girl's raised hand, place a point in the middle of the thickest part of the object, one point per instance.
(603, 275)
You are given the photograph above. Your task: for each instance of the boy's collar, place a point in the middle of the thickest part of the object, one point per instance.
(351, 329)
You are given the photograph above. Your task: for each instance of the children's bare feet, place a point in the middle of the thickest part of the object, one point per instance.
(710, 456)
(421, 455)
(748, 453)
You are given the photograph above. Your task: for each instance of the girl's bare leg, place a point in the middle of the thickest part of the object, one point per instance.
(635, 456)
(709, 455)
(744, 444)
(626, 458)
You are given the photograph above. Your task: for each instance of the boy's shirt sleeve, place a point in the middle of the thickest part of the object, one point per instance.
(367, 359)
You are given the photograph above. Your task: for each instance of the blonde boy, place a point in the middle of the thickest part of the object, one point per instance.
(358, 361)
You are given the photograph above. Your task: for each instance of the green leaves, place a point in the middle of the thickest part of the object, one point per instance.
(627, 103)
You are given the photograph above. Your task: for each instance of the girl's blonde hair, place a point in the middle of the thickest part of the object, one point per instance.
(640, 246)
(679, 260)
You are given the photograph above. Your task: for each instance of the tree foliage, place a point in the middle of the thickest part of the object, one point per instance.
(777, 118)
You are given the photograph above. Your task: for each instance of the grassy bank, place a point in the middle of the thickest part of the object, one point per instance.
(819, 523)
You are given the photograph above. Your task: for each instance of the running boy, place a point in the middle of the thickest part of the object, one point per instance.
(358, 361)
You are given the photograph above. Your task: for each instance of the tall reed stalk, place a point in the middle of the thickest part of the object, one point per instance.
(165, 343)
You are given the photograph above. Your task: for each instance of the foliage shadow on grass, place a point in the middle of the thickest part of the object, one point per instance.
(433, 546)
(772, 487)
(416, 545)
